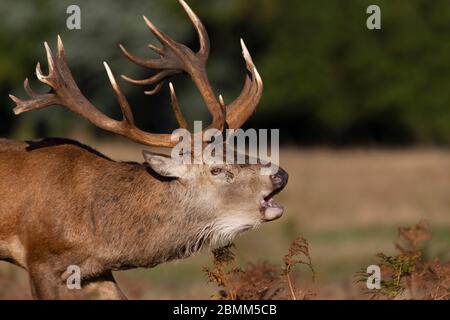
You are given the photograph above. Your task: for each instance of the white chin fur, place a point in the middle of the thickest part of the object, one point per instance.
(226, 229)
(273, 213)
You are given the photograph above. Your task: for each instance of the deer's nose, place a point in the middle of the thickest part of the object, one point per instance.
(280, 179)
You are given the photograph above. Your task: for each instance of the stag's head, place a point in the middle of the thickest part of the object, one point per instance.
(239, 196)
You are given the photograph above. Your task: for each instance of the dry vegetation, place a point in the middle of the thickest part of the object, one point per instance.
(411, 274)
(261, 280)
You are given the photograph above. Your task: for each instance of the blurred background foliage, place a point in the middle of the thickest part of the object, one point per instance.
(328, 79)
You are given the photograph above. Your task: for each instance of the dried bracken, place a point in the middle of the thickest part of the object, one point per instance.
(413, 236)
(298, 254)
(409, 275)
(224, 272)
(259, 281)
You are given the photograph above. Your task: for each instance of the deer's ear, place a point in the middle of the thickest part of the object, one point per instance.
(165, 165)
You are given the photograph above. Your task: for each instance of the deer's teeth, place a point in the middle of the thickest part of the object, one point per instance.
(269, 203)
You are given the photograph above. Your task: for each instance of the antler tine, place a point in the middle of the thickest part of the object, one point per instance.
(124, 105)
(51, 67)
(222, 102)
(201, 31)
(242, 108)
(158, 50)
(155, 90)
(147, 63)
(153, 79)
(176, 108)
(30, 92)
(39, 102)
(161, 36)
(60, 48)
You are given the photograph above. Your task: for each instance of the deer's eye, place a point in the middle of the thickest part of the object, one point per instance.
(219, 172)
(216, 171)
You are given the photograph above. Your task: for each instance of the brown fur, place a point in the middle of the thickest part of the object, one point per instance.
(63, 203)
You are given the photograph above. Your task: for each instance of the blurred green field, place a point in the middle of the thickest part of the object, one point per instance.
(346, 203)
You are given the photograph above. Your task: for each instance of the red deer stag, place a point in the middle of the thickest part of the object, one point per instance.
(63, 203)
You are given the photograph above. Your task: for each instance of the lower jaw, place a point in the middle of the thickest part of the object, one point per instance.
(272, 213)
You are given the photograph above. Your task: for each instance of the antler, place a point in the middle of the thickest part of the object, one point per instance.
(243, 107)
(65, 92)
(174, 58)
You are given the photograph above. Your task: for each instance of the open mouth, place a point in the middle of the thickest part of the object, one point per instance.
(268, 202)
(269, 208)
